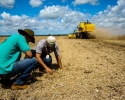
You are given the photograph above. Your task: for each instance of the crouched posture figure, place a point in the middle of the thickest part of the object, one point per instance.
(43, 50)
(10, 63)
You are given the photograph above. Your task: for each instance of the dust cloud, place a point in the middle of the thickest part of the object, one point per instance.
(106, 34)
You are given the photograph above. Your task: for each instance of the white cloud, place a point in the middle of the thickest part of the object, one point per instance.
(116, 10)
(11, 23)
(53, 12)
(80, 2)
(9, 20)
(61, 19)
(7, 3)
(112, 14)
(64, 15)
(36, 3)
(112, 17)
(64, 20)
(74, 17)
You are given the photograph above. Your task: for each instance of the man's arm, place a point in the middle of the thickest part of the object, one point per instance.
(28, 54)
(38, 57)
(59, 61)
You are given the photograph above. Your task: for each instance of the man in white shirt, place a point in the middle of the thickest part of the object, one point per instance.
(43, 50)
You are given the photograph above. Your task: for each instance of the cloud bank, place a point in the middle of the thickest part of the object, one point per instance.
(62, 19)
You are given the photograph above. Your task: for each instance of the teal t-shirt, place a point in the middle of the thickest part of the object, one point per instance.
(10, 51)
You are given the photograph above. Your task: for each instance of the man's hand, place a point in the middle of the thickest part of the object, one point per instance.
(28, 54)
(59, 62)
(61, 67)
(48, 70)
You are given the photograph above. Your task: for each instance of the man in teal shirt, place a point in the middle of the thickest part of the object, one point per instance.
(10, 63)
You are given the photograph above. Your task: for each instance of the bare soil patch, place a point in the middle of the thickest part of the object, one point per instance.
(93, 69)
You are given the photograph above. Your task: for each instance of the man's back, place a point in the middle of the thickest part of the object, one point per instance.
(11, 51)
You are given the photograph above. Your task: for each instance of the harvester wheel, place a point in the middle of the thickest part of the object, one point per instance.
(81, 36)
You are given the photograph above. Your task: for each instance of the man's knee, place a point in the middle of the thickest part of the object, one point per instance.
(34, 61)
(48, 61)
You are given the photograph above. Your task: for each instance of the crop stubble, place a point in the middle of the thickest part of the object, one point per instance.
(93, 69)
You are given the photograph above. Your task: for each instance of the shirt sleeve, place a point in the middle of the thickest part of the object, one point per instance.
(23, 45)
(39, 47)
(56, 51)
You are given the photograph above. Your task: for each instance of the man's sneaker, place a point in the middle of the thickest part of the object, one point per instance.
(17, 86)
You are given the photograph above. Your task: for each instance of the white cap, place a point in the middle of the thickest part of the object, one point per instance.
(51, 40)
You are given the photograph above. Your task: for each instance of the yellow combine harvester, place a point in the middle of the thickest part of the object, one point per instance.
(84, 28)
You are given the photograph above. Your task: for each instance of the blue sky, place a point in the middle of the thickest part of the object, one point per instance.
(60, 16)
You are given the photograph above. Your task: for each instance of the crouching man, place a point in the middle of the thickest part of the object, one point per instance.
(43, 50)
(10, 53)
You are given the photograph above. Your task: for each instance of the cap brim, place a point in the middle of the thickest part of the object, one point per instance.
(23, 33)
(51, 45)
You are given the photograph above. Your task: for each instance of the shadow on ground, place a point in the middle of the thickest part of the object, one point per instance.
(7, 83)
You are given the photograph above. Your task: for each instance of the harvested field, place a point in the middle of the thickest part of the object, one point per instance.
(93, 69)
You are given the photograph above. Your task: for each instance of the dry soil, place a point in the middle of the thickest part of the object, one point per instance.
(93, 69)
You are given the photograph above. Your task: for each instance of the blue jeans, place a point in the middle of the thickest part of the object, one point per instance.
(47, 61)
(24, 68)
